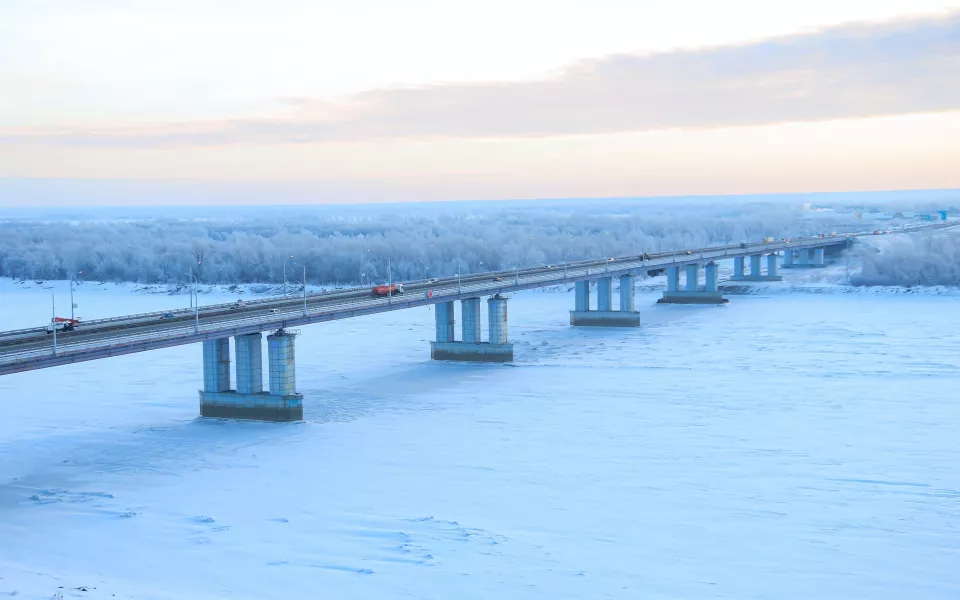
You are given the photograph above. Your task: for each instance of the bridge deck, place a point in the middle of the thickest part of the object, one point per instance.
(30, 349)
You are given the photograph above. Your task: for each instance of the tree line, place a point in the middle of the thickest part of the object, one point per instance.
(350, 246)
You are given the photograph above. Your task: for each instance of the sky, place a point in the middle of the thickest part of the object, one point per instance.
(375, 100)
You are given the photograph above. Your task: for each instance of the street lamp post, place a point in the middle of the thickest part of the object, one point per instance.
(602, 255)
(459, 288)
(53, 321)
(304, 287)
(285, 275)
(73, 304)
(196, 304)
(427, 264)
(360, 281)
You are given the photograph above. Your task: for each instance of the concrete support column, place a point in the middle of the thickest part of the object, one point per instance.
(281, 364)
(471, 320)
(627, 294)
(249, 363)
(497, 318)
(738, 267)
(691, 293)
(788, 258)
(818, 257)
(710, 275)
(216, 365)
(673, 279)
(446, 322)
(605, 316)
(693, 275)
(249, 401)
(604, 294)
(756, 269)
(471, 349)
(582, 291)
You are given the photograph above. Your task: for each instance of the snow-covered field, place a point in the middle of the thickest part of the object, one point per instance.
(780, 446)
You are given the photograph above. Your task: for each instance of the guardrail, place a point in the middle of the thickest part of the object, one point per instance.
(313, 296)
(356, 301)
(185, 331)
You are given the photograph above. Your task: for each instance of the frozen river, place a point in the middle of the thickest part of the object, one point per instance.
(790, 446)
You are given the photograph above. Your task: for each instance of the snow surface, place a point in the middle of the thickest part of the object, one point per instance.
(780, 446)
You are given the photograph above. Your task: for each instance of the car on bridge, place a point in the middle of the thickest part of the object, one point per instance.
(166, 316)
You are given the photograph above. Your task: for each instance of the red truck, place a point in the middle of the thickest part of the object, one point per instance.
(388, 290)
(62, 324)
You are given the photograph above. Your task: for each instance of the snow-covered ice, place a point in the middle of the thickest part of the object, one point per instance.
(780, 446)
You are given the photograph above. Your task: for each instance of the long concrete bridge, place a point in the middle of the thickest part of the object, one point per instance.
(30, 349)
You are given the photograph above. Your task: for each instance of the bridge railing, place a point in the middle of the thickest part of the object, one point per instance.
(573, 271)
(446, 288)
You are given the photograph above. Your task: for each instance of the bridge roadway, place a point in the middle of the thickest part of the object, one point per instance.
(30, 349)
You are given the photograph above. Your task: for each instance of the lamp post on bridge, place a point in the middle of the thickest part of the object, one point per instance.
(517, 271)
(389, 282)
(304, 287)
(53, 321)
(73, 305)
(196, 304)
(603, 256)
(285, 275)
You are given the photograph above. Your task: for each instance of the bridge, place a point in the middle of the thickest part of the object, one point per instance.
(214, 325)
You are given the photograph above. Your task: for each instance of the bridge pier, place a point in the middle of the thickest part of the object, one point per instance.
(249, 401)
(807, 258)
(755, 272)
(691, 292)
(216, 365)
(470, 313)
(472, 349)
(604, 294)
(605, 316)
(446, 322)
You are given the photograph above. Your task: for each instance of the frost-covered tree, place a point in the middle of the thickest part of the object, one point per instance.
(338, 244)
(908, 260)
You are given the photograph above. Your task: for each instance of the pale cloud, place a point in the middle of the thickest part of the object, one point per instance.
(87, 62)
(863, 70)
(900, 152)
